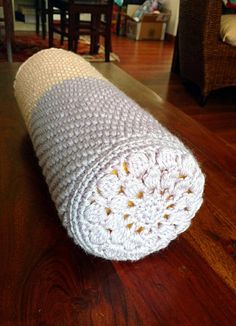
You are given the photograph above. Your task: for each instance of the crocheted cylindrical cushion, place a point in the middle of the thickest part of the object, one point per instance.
(123, 185)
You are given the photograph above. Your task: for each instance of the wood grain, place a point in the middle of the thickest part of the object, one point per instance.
(220, 183)
(46, 280)
(150, 63)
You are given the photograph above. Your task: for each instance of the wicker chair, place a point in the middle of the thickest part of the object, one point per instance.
(200, 56)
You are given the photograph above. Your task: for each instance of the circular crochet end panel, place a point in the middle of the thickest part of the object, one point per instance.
(138, 204)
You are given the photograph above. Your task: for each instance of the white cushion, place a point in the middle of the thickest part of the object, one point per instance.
(228, 29)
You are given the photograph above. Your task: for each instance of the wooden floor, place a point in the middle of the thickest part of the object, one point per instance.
(45, 279)
(150, 63)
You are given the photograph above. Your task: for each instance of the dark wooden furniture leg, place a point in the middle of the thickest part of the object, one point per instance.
(43, 18)
(63, 25)
(108, 38)
(94, 39)
(175, 68)
(50, 24)
(95, 28)
(40, 13)
(37, 9)
(71, 29)
(9, 29)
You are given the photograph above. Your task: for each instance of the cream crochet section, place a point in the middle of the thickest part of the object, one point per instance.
(123, 185)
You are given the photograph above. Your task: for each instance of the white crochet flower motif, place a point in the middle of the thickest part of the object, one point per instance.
(142, 203)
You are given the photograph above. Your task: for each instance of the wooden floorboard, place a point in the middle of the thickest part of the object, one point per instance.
(45, 279)
(150, 63)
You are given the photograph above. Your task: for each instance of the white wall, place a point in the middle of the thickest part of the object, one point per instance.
(172, 5)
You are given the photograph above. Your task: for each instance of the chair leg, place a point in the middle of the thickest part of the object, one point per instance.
(203, 100)
(37, 15)
(76, 41)
(76, 34)
(9, 51)
(175, 67)
(94, 37)
(108, 36)
(9, 27)
(50, 24)
(71, 30)
(43, 19)
(107, 47)
(94, 43)
(107, 42)
(63, 25)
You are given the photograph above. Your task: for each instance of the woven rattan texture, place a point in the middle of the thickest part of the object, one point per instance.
(203, 57)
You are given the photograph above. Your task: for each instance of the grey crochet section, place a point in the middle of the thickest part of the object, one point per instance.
(83, 129)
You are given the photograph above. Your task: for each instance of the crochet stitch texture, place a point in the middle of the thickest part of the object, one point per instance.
(123, 185)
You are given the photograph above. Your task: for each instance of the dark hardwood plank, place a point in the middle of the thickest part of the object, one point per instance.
(46, 280)
(220, 123)
(220, 185)
(172, 284)
(150, 63)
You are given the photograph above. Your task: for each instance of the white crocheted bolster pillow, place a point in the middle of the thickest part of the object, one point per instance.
(123, 185)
